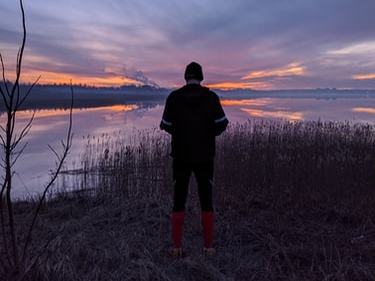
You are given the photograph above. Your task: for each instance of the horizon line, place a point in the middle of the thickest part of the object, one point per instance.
(145, 86)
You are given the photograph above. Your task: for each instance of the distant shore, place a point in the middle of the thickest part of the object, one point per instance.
(58, 96)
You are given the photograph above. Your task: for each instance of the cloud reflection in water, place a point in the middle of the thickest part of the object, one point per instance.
(364, 110)
(50, 126)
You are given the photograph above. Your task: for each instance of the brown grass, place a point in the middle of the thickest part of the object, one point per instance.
(294, 201)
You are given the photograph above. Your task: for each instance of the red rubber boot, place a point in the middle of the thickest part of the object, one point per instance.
(208, 219)
(178, 219)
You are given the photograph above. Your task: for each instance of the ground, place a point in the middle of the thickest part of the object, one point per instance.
(106, 238)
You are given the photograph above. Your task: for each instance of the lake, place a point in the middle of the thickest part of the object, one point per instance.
(50, 125)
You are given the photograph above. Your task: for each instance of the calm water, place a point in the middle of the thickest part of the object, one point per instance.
(50, 126)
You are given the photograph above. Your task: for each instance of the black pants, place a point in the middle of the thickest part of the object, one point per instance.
(203, 172)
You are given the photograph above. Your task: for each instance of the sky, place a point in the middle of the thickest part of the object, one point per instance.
(251, 44)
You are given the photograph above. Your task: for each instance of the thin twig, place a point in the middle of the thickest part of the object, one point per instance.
(20, 52)
(5, 83)
(20, 102)
(61, 160)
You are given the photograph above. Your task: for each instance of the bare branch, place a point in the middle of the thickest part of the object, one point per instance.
(5, 84)
(20, 102)
(24, 131)
(1, 138)
(61, 161)
(2, 218)
(54, 152)
(21, 50)
(18, 154)
(2, 67)
(9, 141)
(2, 128)
(6, 200)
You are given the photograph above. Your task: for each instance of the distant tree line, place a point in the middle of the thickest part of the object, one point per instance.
(84, 86)
(56, 96)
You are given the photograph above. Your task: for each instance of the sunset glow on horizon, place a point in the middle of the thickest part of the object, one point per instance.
(52, 78)
(240, 45)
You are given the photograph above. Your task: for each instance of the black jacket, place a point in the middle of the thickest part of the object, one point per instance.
(193, 116)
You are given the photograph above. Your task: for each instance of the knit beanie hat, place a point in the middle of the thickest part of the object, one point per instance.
(193, 71)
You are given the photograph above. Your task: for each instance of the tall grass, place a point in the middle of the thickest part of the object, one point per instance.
(127, 166)
(293, 201)
(313, 160)
(270, 160)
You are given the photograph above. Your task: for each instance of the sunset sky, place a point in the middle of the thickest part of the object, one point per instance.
(258, 44)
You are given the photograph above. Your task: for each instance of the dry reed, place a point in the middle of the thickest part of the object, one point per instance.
(294, 201)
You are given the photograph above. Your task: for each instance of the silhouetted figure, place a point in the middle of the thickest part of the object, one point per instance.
(194, 117)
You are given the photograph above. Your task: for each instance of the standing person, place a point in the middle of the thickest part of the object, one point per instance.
(194, 117)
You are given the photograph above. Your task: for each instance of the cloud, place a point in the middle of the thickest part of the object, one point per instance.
(290, 70)
(259, 40)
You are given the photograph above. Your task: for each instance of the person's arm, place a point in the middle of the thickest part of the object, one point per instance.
(166, 123)
(220, 125)
(166, 126)
(220, 121)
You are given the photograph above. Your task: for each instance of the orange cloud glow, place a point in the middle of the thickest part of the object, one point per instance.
(65, 78)
(364, 77)
(364, 110)
(240, 85)
(291, 69)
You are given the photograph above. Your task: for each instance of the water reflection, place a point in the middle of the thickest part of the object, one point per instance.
(294, 116)
(50, 126)
(364, 110)
(245, 102)
(344, 109)
(264, 108)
